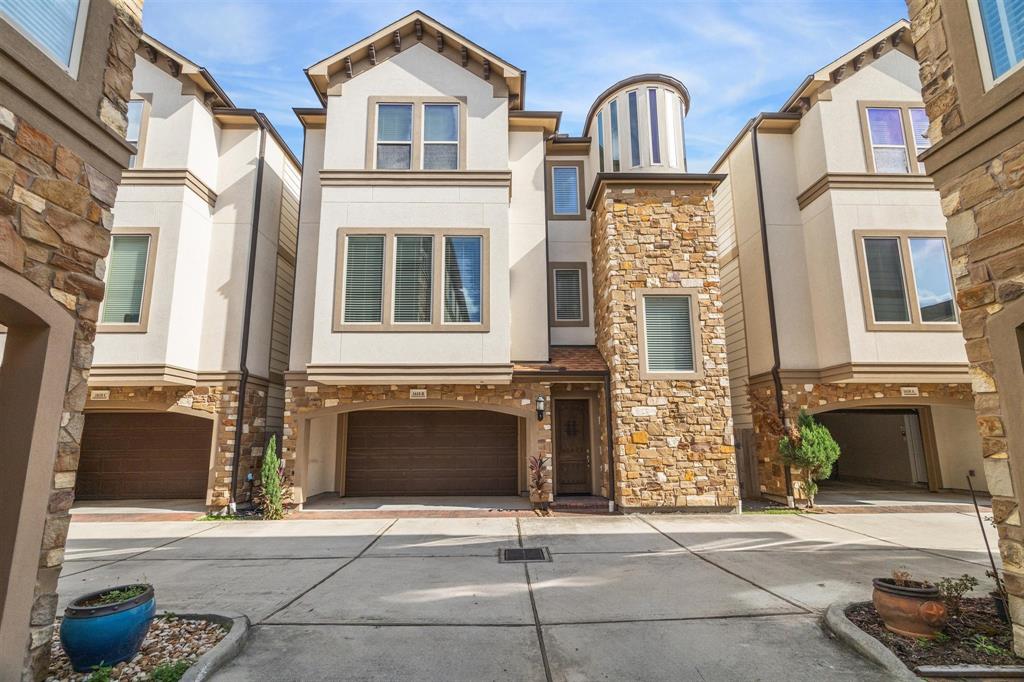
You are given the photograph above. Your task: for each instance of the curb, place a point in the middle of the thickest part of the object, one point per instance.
(225, 650)
(867, 646)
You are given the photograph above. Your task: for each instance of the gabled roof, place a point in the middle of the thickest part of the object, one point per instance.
(179, 66)
(409, 30)
(895, 37)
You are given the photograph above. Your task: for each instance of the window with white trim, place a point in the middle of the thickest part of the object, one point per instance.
(668, 334)
(888, 143)
(394, 136)
(613, 114)
(600, 141)
(634, 127)
(1002, 32)
(57, 27)
(126, 279)
(133, 134)
(440, 136)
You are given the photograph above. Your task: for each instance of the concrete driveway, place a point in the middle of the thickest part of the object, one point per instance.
(623, 597)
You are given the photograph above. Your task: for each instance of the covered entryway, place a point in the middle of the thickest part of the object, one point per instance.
(140, 455)
(883, 445)
(431, 452)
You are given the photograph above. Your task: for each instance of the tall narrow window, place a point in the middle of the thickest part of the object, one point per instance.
(668, 334)
(126, 279)
(888, 144)
(600, 141)
(440, 136)
(652, 110)
(613, 113)
(1003, 24)
(634, 128)
(885, 278)
(135, 109)
(568, 295)
(394, 136)
(462, 281)
(565, 186)
(932, 279)
(682, 128)
(919, 124)
(55, 26)
(364, 278)
(414, 269)
(670, 129)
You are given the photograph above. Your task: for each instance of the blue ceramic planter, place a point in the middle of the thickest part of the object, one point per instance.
(106, 634)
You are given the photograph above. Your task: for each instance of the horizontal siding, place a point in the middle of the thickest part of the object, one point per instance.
(725, 220)
(736, 345)
(284, 293)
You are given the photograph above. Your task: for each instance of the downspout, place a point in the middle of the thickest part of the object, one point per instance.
(611, 445)
(776, 361)
(243, 381)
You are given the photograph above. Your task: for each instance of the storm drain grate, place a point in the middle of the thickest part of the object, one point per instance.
(510, 555)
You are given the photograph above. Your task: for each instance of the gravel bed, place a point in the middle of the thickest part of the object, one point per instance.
(170, 639)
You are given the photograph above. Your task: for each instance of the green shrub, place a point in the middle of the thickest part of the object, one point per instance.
(812, 448)
(954, 589)
(270, 479)
(170, 672)
(100, 673)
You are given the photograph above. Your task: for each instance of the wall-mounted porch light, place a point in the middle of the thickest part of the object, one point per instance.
(540, 408)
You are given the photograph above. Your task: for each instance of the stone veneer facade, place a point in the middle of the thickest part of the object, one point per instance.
(673, 439)
(55, 220)
(977, 160)
(303, 397)
(817, 397)
(220, 401)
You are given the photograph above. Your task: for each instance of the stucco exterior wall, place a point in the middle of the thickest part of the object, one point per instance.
(527, 242)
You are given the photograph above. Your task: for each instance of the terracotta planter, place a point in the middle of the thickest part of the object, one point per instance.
(913, 610)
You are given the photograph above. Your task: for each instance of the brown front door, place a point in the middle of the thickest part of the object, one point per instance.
(572, 446)
(431, 452)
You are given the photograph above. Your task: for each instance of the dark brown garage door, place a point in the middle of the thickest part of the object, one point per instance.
(138, 455)
(459, 452)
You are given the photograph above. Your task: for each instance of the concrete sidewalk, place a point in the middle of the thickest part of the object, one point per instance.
(634, 597)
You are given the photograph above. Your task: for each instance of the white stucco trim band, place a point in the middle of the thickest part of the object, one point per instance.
(403, 178)
(367, 375)
(169, 177)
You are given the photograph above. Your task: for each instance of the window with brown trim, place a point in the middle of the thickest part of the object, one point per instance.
(416, 133)
(895, 133)
(669, 334)
(138, 125)
(564, 186)
(568, 301)
(129, 280)
(906, 281)
(408, 279)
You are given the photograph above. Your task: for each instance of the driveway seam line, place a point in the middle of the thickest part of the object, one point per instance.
(138, 554)
(609, 621)
(700, 556)
(929, 552)
(327, 577)
(533, 607)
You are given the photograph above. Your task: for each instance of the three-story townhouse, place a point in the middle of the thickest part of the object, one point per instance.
(487, 307)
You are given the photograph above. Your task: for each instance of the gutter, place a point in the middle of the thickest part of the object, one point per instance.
(247, 319)
(776, 361)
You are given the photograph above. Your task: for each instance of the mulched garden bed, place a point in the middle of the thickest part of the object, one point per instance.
(977, 636)
(170, 640)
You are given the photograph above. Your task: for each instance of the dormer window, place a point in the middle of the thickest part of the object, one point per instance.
(421, 133)
(394, 136)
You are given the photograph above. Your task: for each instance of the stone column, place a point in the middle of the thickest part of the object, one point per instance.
(672, 439)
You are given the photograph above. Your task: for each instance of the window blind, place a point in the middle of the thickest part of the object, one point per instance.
(462, 279)
(51, 23)
(668, 334)
(364, 274)
(885, 278)
(634, 129)
(414, 269)
(565, 190)
(652, 108)
(126, 279)
(568, 295)
(1003, 23)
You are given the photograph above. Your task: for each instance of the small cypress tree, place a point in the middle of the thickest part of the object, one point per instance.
(270, 478)
(810, 447)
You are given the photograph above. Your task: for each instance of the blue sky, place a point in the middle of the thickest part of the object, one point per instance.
(736, 57)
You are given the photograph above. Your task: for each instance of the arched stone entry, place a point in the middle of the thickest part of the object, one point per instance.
(33, 381)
